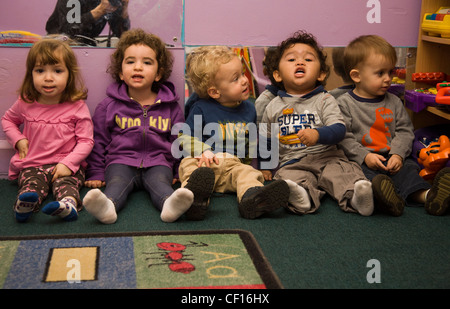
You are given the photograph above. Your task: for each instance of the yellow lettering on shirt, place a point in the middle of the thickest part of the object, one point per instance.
(160, 123)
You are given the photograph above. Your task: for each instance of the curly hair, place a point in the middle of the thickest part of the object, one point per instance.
(270, 63)
(50, 51)
(203, 64)
(140, 37)
(303, 37)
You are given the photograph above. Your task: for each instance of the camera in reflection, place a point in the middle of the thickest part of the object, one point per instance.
(115, 2)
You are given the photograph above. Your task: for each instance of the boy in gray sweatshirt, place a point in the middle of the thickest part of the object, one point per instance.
(380, 133)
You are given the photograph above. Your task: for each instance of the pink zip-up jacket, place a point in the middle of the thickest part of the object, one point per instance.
(61, 133)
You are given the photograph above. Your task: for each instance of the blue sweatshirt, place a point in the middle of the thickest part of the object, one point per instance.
(216, 124)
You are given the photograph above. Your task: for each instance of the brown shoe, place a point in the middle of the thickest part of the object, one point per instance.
(438, 198)
(386, 198)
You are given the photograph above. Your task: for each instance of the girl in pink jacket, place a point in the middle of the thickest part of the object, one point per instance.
(57, 133)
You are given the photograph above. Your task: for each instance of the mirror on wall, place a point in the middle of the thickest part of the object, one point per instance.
(90, 23)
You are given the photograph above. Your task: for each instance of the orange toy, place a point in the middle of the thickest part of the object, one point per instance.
(434, 157)
(443, 94)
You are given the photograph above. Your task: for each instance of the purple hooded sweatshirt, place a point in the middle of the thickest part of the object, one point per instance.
(127, 133)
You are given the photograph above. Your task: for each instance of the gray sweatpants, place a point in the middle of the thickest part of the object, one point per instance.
(327, 172)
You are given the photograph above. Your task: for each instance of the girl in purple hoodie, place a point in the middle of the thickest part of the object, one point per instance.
(132, 132)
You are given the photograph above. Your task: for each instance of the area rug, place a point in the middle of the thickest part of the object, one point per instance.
(217, 259)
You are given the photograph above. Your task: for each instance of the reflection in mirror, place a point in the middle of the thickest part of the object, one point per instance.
(84, 20)
(89, 22)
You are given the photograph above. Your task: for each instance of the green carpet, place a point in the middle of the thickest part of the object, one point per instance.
(219, 259)
(329, 249)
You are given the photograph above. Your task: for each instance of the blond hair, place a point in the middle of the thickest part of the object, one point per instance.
(203, 64)
(358, 50)
(52, 51)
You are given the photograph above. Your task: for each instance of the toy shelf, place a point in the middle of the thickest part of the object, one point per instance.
(439, 112)
(435, 39)
(431, 55)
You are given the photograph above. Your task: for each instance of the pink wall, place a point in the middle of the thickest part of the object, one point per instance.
(265, 23)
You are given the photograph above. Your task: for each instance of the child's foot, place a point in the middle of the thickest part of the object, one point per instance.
(362, 200)
(298, 197)
(177, 204)
(25, 205)
(257, 201)
(201, 183)
(438, 198)
(386, 197)
(100, 206)
(65, 209)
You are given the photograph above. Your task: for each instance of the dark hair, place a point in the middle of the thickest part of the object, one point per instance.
(140, 37)
(52, 51)
(303, 37)
(270, 63)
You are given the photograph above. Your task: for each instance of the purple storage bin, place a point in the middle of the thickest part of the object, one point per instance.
(417, 101)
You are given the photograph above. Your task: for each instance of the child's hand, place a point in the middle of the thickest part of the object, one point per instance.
(394, 164)
(22, 147)
(94, 184)
(308, 137)
(375, 161)
(60, 170)
(207, 157)
(267, 174)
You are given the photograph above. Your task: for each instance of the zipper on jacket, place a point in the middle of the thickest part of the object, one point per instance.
(145, 114)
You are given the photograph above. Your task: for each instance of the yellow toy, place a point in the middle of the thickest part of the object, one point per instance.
(434, 157)
(18, 37)
(437, 24)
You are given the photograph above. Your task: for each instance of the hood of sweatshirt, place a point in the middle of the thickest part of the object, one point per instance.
(166, 92)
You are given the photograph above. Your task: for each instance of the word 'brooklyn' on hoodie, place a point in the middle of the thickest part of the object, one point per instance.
(127, 133)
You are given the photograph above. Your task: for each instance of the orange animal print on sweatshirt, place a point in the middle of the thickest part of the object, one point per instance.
(379, 131)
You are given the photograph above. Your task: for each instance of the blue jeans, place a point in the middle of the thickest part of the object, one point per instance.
(407, 180)
(122, 179)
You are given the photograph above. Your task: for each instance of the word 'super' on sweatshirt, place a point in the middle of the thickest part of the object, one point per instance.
(316, 110)
(127, 133)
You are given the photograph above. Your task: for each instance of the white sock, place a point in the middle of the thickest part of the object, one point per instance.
(298, 197)
(177, 204)
(100, 206)
(362, 200)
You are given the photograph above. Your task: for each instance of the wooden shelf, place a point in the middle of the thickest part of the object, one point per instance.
(439, 111)
(436, 39)
(431, 55)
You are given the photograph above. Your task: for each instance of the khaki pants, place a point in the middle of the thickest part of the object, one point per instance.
(231, 175)
(328, 172)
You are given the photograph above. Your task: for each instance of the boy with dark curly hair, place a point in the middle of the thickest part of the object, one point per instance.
(310, 126)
